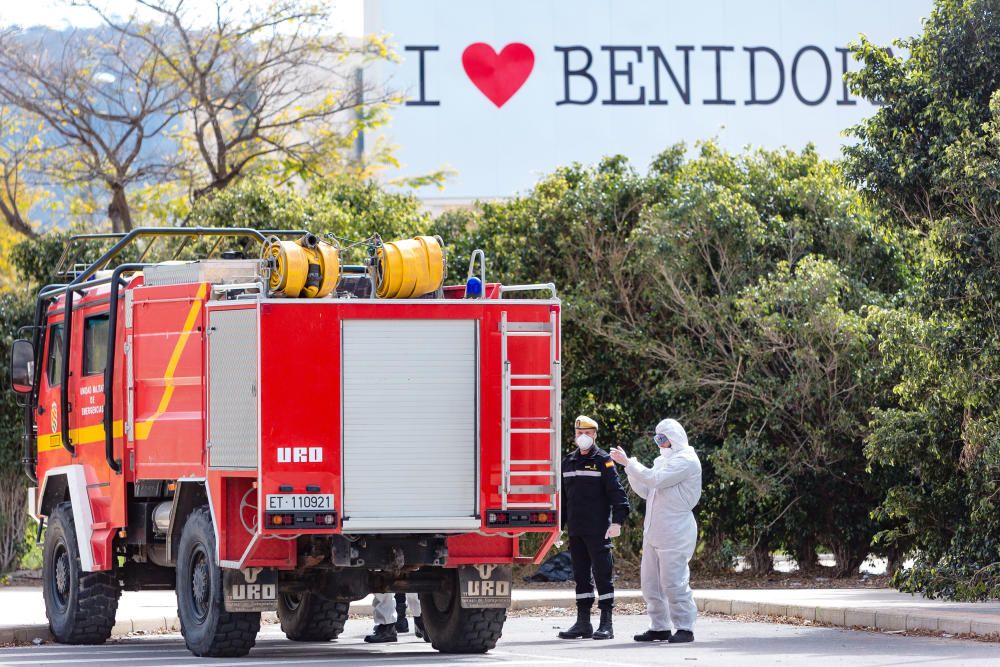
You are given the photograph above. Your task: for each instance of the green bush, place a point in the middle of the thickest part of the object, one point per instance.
(927, 161)
(730, 292)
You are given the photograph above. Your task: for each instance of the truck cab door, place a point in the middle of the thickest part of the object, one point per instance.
(47, 413)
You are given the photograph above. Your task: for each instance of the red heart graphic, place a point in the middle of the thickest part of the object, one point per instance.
(501, 75)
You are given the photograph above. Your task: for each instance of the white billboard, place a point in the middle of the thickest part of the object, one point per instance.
(503, 91)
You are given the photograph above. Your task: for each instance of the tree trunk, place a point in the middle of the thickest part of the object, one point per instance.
(13, 519)
(849, 558)
(894, 561)
(713, 557)
(118, 210)
(805, 554)
(761, 561)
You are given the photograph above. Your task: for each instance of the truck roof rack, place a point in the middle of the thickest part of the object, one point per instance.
(123, 240)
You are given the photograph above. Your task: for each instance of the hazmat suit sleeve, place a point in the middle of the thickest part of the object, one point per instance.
(674, 472)
(637, 484)
(616, 494)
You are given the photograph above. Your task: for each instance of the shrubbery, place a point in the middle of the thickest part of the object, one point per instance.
(732, 293)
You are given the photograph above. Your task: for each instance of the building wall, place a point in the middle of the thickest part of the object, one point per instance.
(503, 91)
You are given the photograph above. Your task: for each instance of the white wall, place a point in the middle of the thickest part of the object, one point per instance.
(498, 151)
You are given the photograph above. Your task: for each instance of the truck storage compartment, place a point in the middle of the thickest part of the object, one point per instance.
(410, 414)
(232, 389)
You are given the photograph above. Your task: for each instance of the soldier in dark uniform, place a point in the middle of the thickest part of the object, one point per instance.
(594, 505)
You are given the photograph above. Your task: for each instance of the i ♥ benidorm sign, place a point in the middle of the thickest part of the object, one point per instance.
(504, 91)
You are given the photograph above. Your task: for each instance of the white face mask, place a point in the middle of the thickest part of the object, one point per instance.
(584, 441)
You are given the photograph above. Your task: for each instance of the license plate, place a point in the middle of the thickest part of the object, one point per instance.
(484, 586)
(250, 589)
(297, 502)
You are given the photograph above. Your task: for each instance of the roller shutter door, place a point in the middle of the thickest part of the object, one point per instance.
(410, 400)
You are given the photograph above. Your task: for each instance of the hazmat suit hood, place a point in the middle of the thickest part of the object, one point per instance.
(676, 434)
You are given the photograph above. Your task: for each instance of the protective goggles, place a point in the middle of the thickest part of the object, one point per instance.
(660, 439)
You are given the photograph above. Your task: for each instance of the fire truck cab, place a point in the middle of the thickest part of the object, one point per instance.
(290, 433)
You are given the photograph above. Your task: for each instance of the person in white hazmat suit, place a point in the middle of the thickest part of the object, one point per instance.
(384, 608)
(671, 488)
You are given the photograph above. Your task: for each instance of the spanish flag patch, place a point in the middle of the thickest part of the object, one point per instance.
(609, 464)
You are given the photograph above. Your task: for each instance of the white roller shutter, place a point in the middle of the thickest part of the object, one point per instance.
(410, 397)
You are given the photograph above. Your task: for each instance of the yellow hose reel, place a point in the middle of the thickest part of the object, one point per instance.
(409, 268)
(307, 268)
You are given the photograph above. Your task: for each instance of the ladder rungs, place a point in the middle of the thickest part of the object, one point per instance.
(530, 377)
(528, 387)
(532, 430)
(532, 473)
(531, 419)
(530, 462)
(536, 506)
(528, 326)
(546, 489)
(546, 334)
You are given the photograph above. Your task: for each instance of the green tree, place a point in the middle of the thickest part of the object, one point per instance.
(730, 292)
(15, 310)
(927, 160)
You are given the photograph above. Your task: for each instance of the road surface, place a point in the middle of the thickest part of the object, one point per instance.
(532, 641)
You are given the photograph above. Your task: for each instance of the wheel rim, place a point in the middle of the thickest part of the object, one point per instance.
(200, 580)
(292, 601)
(61, 576)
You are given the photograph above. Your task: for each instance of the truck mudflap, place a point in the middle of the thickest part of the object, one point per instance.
(250, 589)
(485, 586)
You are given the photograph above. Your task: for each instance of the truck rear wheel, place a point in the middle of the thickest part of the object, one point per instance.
(208, 629)
(453, 629)
(80, 605)
(308, 617)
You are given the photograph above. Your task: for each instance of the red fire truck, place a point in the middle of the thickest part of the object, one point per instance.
(288, 432)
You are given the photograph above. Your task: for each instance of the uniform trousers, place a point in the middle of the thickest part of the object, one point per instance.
(591, 555)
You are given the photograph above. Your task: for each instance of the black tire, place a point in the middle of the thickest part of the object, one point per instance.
(308, 617)
(208, 629)
(80, 605)
(452, 629)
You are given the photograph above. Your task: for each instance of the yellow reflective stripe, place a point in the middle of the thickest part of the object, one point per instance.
(142, 429)
(95, 433)
(79, 436)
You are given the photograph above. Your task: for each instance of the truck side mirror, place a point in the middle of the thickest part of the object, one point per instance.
(22, 362)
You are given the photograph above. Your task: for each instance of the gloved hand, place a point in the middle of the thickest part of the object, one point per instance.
(619, 456)
(614, 530)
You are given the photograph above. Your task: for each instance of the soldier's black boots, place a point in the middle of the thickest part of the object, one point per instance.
(653, 636)
(582, 629)
(682, 637)
(604, 630)
(418, 628)
(401, 625)
(382, 634)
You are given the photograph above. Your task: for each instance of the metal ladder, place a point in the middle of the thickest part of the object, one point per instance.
(513, 468)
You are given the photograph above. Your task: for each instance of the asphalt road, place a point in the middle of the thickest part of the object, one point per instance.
(532, 641)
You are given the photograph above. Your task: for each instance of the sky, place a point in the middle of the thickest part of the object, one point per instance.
(348, 15)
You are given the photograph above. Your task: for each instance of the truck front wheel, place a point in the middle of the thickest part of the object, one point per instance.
(307, 617)
(80, 605)
(208, 629)
(453, 629)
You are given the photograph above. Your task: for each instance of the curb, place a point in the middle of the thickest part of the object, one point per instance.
(899, 620)
(894, 620)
